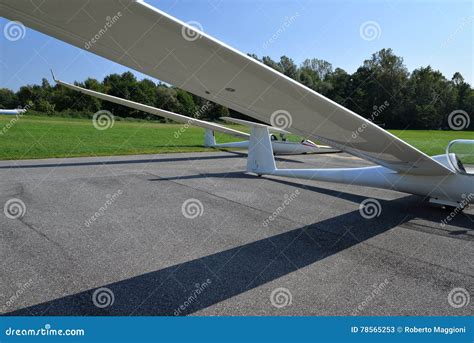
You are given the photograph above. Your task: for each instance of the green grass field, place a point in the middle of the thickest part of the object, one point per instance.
(43, 137)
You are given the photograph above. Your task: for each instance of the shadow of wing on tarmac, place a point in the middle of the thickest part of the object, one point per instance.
(231, 272)
(229, 155)
(116, 162)
(237, 270)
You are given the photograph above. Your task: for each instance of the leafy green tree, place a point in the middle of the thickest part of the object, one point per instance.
(122, 86)
(380, 79)
(145, 92)
(186, 102)
(254, 57)
(320, 68)
(341, 86)
(462, 93)
(84, 103)
(167, 99)
(429, 97)
(267, 60)
(45, 106)
(306, 77)
(25, 95)
(288, 67)
(8, 99)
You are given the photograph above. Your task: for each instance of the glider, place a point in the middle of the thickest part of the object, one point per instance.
(280, 147)
(143, 38)
(12, 112)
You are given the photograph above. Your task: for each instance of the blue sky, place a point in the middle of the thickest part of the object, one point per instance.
(436, 33)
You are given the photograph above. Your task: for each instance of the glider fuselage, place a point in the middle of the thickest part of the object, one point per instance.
(453, 190)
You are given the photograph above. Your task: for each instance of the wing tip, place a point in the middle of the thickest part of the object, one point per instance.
(54, 77)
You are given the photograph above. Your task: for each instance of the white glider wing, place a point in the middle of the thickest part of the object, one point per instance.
(148, 40)
(156, 111)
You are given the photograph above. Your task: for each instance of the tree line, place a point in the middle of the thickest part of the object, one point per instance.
(381, 89)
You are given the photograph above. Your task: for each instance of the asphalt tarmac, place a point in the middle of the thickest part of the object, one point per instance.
(193, 234)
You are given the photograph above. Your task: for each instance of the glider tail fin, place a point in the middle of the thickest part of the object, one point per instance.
(260, 158)
(209, 138)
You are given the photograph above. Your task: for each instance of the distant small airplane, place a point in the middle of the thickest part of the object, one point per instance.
(12, 112)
